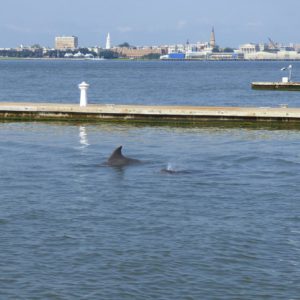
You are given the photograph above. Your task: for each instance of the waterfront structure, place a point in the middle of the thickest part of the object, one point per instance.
(265, 52)
(108, 43)
(226, 56)
(263, 47)
(78, 55)
(83, 86)
(285, 84)
(296, 47)
(278, 86)
(95, 49)
(249, 48)
(173, 56)
(66, 42)
(181, 48)
(69, 55)
(199, 50)
(143, 113)
(280, 55)
(202, 54)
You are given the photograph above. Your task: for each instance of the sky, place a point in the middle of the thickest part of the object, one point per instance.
(151, 22)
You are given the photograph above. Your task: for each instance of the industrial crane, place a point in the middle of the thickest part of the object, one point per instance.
(273, 45)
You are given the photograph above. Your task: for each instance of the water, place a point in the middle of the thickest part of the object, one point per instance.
(134, 82)
(225, 226)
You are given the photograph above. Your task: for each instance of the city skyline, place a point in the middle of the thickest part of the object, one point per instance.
(142, 23)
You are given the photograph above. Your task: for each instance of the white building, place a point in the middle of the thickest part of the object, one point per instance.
(176, 48)
(198, 54)
(249, 49)
(280, 55)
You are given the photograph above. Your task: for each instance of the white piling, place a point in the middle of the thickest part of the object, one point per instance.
(83, 93)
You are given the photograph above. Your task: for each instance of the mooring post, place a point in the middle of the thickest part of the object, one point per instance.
(290, 72)
(83, 86)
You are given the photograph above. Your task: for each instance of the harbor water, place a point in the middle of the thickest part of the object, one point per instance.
(223, 224)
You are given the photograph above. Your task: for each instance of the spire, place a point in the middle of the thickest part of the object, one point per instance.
(188, 48)
(212, 38)
(108, 45)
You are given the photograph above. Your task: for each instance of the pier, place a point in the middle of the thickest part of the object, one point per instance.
(280, 86)
(286, 83)
(142, 113)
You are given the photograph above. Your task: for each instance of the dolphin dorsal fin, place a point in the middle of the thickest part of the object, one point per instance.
(116, 154)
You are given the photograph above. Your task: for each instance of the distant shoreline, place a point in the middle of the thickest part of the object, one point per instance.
(143, 59)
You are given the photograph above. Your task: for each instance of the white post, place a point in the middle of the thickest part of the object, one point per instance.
(290, 73)
(83, 93)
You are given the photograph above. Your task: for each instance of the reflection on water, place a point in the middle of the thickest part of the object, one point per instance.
(83, 138)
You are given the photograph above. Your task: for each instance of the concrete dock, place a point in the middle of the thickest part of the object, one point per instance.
(141, 113)
(280, 86)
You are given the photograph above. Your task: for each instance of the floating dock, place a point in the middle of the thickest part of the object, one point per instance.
(142, 113)
(280, 86)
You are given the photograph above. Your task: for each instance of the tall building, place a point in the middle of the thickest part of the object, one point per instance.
(212, 42)
(108, 45)
(66, 42)
(137, 52)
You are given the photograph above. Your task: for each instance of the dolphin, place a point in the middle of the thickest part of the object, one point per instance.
(174, 172)
(117, 159)
(170, 170)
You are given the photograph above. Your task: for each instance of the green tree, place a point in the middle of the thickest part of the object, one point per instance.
(36, 46)
(124, 45)
(152, 56)
(228, 50)
(108, 54)
(216, 49)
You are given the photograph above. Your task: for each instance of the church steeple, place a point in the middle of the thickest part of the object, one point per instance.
(212, 42)
(108, 45)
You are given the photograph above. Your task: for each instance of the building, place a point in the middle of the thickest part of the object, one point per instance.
(108, 43)
(202, 54)
(137, 52)
(66, 42)
(297, 47)
(181, 48)
(249, 50)
(212, 42)
(226, 56)
(279, 55)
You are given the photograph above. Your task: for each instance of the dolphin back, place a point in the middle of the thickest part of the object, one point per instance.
(118, 159)
(116, 155)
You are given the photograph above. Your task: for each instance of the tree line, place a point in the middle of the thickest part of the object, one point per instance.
(40, 53)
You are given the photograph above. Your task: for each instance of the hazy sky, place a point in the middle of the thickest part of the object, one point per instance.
(150, 22)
